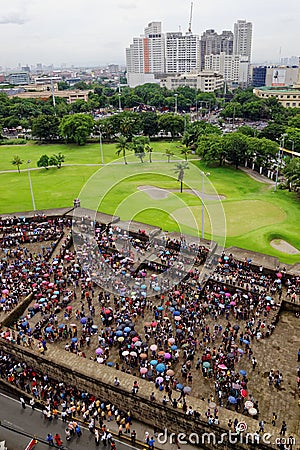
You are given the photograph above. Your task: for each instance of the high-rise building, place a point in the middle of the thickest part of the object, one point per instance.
(182, 52)
(242, 39)
(213, 43)
(226, 65)
(154, 54)
(259, 76)
(146, 56)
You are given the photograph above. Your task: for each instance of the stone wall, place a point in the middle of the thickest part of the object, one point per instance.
(15, 314)
(98, 379)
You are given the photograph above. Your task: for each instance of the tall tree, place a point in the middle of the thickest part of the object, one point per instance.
(180, 169)
(171, 123)
(148, 149)
(149, 123)
(17, 161)
(43, 161)
(122, 147)
(169, 153)
(76, 128)
(45, 127)
(236, 148)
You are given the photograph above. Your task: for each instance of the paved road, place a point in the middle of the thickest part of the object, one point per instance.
(32, 423)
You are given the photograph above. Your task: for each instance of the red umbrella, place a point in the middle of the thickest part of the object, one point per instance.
(244, 393)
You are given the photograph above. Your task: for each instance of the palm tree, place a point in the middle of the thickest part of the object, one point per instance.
(169, 153)
(140, 155)
(60, 159)
(56, 160)
(17, 161)
(122, 146)
(185, 151)
(149, 150)
(180, 168)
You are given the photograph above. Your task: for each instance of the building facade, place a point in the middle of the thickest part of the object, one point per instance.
(182, 52)
(242, 39)
(212, 43)
(205, 81)
(18, 78)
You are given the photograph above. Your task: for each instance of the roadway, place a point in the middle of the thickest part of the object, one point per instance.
(15, 421)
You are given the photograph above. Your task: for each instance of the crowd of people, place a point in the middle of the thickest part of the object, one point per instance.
(165, 329)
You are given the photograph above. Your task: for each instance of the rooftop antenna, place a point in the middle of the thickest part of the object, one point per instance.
(191, 16)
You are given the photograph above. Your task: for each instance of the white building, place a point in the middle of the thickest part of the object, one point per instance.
(205, 81)
(182, 52)
(146, 56)
(242, 39)
(155, 54)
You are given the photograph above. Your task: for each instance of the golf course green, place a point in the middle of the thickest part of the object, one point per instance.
(248, 215)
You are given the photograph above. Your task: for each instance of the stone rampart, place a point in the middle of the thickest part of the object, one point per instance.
(99, 380)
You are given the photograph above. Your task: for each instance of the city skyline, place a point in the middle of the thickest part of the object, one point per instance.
(88, 33)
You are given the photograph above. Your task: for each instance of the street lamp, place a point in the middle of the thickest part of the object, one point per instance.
(280, 151)
(203, 206)
(120, 105)
(101, 148)
(30, 185)
(175, 95)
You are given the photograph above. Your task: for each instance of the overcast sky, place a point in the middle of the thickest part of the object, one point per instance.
(96, 32)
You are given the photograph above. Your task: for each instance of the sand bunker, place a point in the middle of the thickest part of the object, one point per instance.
(158, 193)
(284, 247)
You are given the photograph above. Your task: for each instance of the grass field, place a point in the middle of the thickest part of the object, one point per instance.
(249, 216)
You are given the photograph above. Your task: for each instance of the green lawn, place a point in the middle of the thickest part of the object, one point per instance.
(250, 214)
(88, 154)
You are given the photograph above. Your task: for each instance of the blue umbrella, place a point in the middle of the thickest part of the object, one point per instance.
(56, 292)
(83, 320)
(226, 258)
(62, 325)
(246, 342)
(240, 350)
(144, 294)
(157, 288)
(268, 298)
(160, 368)
(243, 372)
(143, 286)
(74, 339)
(174, 347)
(48, 330)
(153, 362)
(232, 400)
(160, 308)
(3, 300)
(110, 364)
(42, 300)
(119, 333)
(24, 324)
(179, 386)
(176, 313)
(127, 329)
